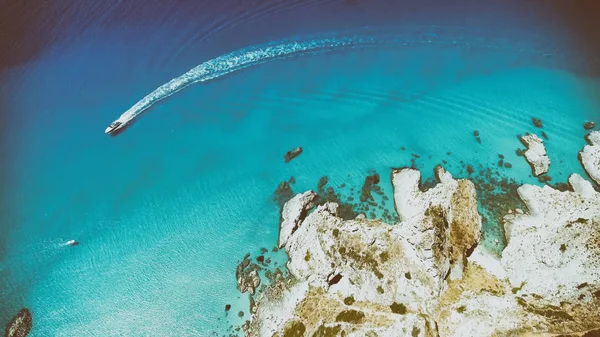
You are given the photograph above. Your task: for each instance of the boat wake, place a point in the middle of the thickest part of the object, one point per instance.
(239, 60)
(247, 57)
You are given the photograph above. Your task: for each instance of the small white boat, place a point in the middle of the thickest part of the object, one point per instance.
(72, 243)
(114, 126)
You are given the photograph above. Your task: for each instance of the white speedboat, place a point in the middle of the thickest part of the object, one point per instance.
(114, 126)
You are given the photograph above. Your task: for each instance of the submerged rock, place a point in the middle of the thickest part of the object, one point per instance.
(291, 154)
(322, 182)
(537, 122)
(247, 276)
(535, 154)
(590, 156)
(283, 193)
(368, 186)
(20, 325)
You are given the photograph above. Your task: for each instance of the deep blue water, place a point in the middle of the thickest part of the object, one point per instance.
(165, 210)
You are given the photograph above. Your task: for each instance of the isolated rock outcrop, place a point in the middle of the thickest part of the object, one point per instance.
(535, 154)
(590, 156)
(20, 325)
(291, 154)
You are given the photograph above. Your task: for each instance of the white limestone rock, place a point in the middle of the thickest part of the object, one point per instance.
(411, 201)
(536, 154)
(272, 314)
(590, 156)
(489, 262)
(422, 277)
(292, 214)
(442, 223)
(366, 260)
(553, 254)
(393, 274)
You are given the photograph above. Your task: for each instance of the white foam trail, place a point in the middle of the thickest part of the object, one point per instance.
(238, 60)
(244, 58)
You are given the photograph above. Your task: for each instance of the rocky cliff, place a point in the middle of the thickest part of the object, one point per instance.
(590, 156)
(426, 276)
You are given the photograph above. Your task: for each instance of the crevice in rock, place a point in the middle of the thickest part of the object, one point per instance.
(335, 279)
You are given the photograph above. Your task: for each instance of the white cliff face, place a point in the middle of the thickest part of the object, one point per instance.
(292, 213)
(436, 221)
(536, 154)
(553, 255)
(426, 276)
(367, 273)
(590, 156)
(539, 285)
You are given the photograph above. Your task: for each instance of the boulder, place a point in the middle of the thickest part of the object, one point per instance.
(291, 154)
(20, 325)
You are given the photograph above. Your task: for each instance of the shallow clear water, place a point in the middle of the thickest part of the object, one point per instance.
(166, 210)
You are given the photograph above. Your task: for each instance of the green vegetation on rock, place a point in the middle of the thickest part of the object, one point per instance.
(349, 300)
(515, 290)
(350, 316)
(324, 331)
(294, 329)
(550, 311)
(384, 256)
(307, 256)
(398, 308)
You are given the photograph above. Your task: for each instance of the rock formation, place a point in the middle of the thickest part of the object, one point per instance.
(535, 154)
(590, 156)
(537, 122)
(247, 276)
(589, 125)
(291, 154)
(293, 213)
(20, 325)
(427, 276)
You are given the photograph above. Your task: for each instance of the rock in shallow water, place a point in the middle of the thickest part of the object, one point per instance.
(537, 122)
(536, 154)
(20, 325)
(291, 154)
(589, 125)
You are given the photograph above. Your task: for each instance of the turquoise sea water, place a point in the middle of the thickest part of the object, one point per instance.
(165, 211)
